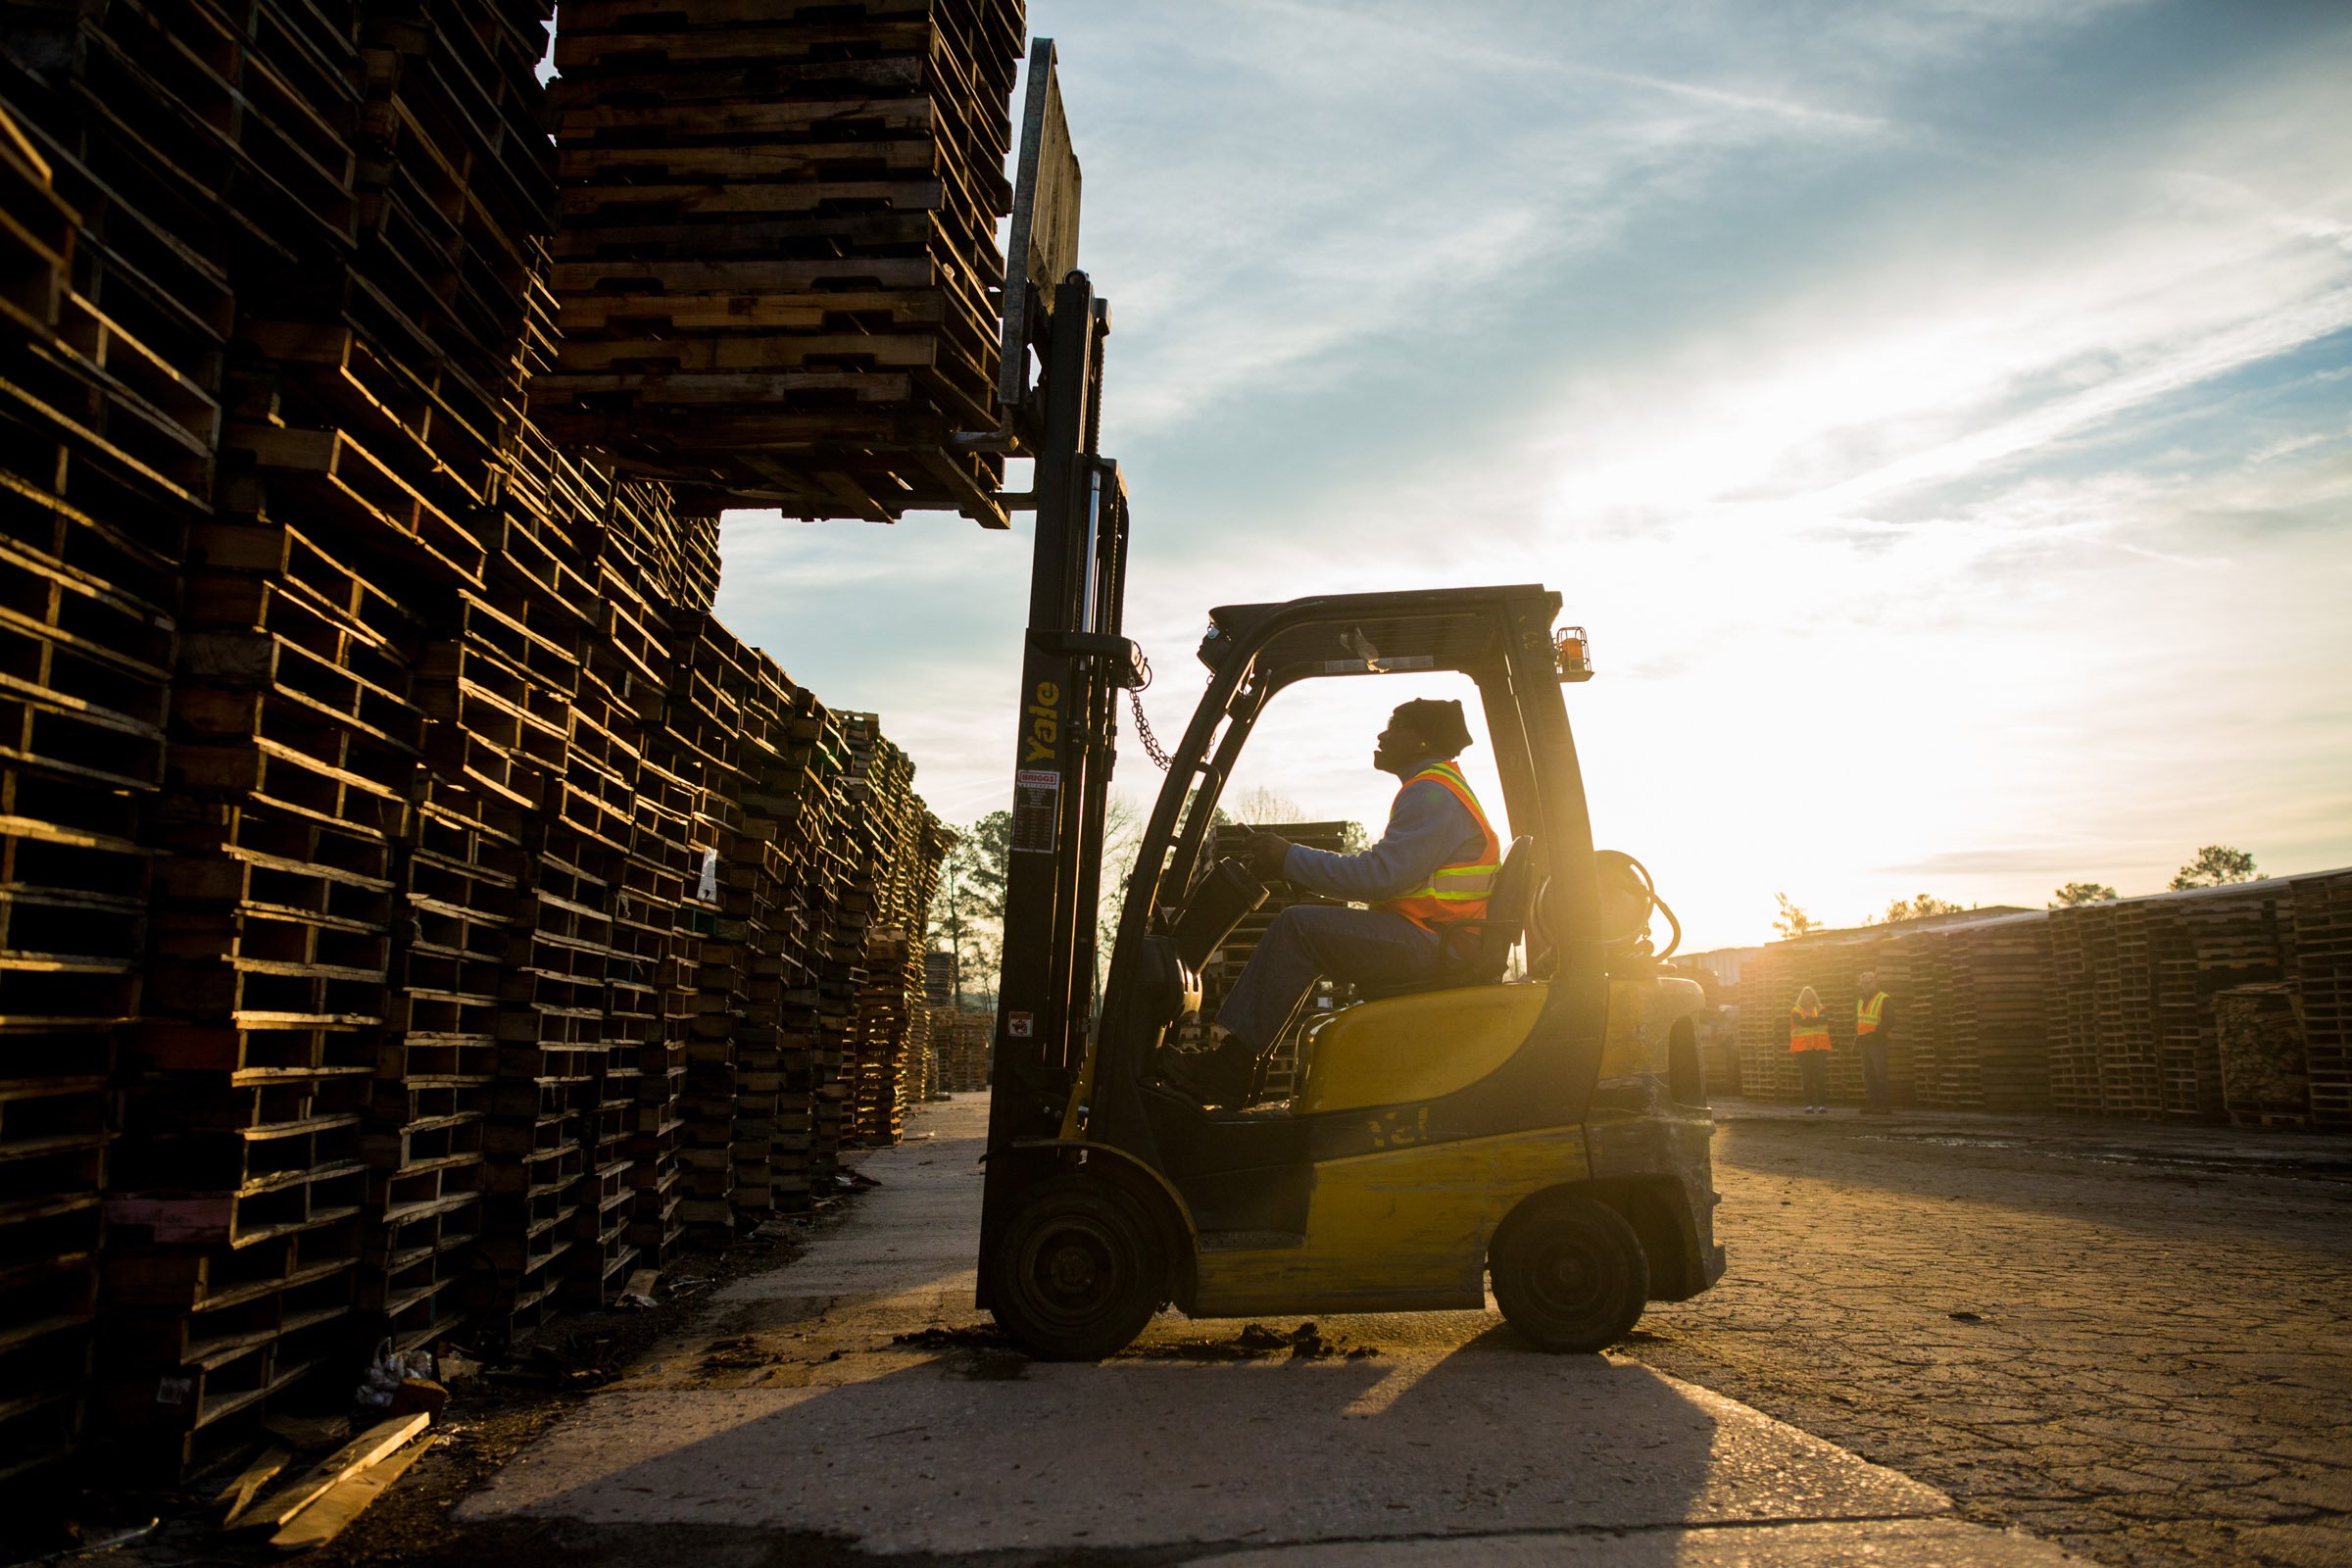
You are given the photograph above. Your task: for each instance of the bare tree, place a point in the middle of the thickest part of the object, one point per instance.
(1260, 807)
(1122, 834)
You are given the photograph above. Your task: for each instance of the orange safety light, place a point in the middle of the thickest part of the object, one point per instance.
(1572, 654)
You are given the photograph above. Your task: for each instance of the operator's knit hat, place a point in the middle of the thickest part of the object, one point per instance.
(1436, 720)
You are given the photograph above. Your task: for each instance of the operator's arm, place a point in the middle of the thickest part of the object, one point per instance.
(1426, 829)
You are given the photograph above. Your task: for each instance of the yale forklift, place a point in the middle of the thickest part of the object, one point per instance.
(1548, 1131)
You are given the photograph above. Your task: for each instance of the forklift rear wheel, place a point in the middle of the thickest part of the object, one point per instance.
(1570, 1274)
(1080, 1271)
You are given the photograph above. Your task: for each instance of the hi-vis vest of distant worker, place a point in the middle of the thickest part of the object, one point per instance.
(1807, 1031)
(1459, 890)
(1866, 1014)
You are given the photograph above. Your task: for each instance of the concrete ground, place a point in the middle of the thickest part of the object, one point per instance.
(2133, 1341)
(851, 1405)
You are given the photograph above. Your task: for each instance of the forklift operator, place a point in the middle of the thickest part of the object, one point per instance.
(1435, 863)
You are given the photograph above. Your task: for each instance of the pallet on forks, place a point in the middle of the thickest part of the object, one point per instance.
(778, 245)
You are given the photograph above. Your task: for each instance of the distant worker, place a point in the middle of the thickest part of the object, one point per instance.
(1436, 864)
(1874, 1032)
(1810, 1044)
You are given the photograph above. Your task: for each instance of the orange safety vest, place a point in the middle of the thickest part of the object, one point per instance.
(1459, 888)
(1866, 1014)
(1807, 1031)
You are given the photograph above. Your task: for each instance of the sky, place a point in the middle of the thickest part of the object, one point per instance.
(1939, 415)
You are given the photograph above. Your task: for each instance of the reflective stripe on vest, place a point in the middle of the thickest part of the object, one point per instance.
(1459, 888)
(1807, 1031)
(1866, 1014)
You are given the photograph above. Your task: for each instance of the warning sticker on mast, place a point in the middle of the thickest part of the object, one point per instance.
(1036, 811)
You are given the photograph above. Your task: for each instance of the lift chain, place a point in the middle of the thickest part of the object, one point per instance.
(1142, 727)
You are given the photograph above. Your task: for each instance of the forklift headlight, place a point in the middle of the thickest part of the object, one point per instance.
(1571, 654)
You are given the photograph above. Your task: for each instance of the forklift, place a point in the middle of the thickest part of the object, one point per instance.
(1547, 1129)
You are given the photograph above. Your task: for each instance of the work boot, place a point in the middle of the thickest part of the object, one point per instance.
(1217, 1077)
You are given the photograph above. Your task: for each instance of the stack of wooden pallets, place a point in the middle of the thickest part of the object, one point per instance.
(772, 1120)
(914, 882)
(2182, 1020)
(1765, 1071)
(700, 731)
(295, 751)
(2321, 956)
(90, 531)
(437, 1062)
(295, 737)
(2134, 1026)
(367, 873)
(673, 893)
(754, 1080)
(597, 824)
(2200, 1006)
(1935, 1018)
(828, 884)
(921, 1081)
(1972, 1011)
(455, 110)
(801, 793)
(2266, 1059)
(2010, 965)
(2081, 941)
(2222, 939)
(940, 976)
(646, 541)
(778, 246)
(551, 1056)
(2123, 1002)
(963, 1039)
(903, 843)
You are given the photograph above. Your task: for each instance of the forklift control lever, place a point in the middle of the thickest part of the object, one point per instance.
(1226, 896)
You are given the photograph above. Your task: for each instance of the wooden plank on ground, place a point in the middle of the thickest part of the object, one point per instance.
(368, 1449)
(255, 1476)
(345, 1502)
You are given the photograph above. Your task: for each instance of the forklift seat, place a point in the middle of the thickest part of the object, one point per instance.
(1415, 1047)
(1475, 953)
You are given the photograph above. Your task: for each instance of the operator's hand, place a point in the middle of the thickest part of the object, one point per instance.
(1267, 851)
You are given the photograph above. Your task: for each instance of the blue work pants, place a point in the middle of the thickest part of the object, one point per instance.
(1362, 947)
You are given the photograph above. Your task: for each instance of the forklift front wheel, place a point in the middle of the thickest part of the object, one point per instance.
(1570, 1274)
(1081, 1269)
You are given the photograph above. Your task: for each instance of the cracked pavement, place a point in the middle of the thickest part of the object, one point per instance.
(2134, 1342)
(1985, 1341)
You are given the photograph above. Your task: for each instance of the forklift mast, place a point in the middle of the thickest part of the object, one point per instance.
(1075, 660)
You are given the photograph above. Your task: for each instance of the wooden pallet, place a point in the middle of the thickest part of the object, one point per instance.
(778, 223)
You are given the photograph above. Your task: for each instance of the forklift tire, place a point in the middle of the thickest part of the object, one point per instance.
(1570, 1274)
(1080, 1270)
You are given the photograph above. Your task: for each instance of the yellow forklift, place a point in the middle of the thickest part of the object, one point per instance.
(1548, 1132)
